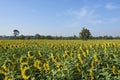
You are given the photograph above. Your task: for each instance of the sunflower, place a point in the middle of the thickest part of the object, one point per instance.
(9, 78)
(87, 51)
(8, 65)
(37, 64)
(23, 59)
(23, 65)
(30, 54)
(53, 57)
(84, 53)
(25, 72)
(92, 64)
(14, 56)
(78, 67)
(58, 64)
(2, 75)
(96, 58)
(39, 53)
(65, 54)
(46, 67)
(114, 70)
(91, 74)
(71, 55)
(80, 58)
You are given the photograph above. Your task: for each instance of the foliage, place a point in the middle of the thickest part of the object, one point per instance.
(37, 36)
(21, 37)
(85, 34)
(16, 32)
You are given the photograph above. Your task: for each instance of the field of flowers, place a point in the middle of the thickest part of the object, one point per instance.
(59, 60)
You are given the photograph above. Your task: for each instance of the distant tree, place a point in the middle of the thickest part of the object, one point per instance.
(21, 37)
(75, 37)
(85, 34)
(49, 37)
(42, 37)
(16, 32)
(37, 36)
(28, 37)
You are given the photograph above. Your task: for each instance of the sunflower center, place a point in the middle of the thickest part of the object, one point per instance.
(8, 64)
(24, 60)
(27, 72)
(24, 65)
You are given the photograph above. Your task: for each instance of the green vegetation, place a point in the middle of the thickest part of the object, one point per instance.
(85, 34)
(59, 60)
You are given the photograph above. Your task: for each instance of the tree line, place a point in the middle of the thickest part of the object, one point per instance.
(84, 34)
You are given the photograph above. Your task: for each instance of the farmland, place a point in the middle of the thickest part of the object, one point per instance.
(59, 60)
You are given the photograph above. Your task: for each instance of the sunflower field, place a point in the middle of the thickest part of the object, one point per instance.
(59, 60)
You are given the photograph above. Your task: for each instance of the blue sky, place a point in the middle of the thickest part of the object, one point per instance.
(60, 17)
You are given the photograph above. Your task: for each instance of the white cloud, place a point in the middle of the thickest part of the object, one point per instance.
(82, 12)
(111, 6)
(85, 14)
(89, 15)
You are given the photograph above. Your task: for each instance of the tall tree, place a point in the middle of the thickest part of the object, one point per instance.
(37, 36)
(16, 32)
(85, 34)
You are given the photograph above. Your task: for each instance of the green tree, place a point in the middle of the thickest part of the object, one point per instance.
(22, 37)
(16, 32)
(85, 34)
(37, 36)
